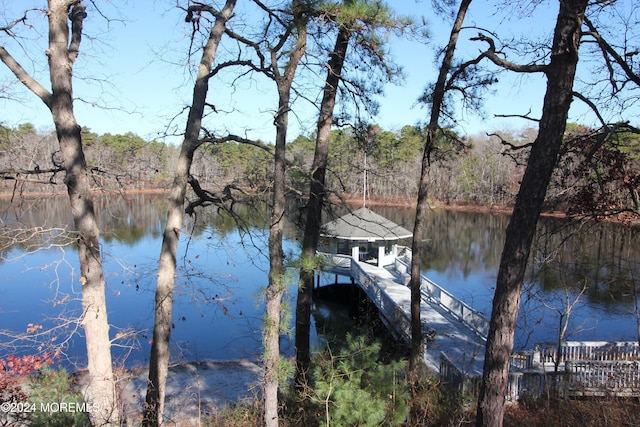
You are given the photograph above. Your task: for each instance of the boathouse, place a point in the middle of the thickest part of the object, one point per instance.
(365, 236)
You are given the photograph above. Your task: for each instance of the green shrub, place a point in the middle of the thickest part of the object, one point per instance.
(55, 403)
(354, 389)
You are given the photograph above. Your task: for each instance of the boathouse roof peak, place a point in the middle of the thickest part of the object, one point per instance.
(363, 224)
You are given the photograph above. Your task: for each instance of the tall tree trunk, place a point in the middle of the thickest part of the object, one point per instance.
(520, 231)
(277, 285)
(160, 353)
(62, 53)
(317, 196)
(422, 203)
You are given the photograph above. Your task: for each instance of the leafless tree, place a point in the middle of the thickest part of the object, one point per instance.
(159, 358)
(276, 54)
(433, 128)
(65, 32)
(277, 279)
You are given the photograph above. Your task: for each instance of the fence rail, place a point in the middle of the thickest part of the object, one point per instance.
(619, 377)
(611, 369)
(433, 292)
(590, 350)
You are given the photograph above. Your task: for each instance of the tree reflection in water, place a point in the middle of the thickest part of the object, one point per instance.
(222, 269)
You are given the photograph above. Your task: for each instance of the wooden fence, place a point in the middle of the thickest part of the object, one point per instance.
(589, 350)
(603, 377)
(585, 369)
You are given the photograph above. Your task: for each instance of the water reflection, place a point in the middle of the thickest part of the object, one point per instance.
(222, 267)
(462, 253)
(221, 270)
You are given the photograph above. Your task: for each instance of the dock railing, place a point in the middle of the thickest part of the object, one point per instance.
(394, 316)
(603, 377)
(452, 377)
(434, 293)
(620, 378)
(546, 356)
(586, 368)
(335, 263)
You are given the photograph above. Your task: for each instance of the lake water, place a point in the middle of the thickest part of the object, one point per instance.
(222, 268)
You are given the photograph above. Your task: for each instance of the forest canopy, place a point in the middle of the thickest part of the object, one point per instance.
(486, 171)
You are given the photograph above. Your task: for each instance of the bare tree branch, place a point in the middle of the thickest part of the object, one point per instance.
(239, 62)
(32, 84)
(521, 116)
(509, 144)
(7, 28)
(607, 50)
(235, 138)
(591, 105)
(501, 62)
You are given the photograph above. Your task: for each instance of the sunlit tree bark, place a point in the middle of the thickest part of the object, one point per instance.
(64, 45)
(277, 281)
(317, 194)
(159, 358)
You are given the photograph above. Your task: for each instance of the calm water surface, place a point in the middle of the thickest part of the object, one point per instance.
(222, 269)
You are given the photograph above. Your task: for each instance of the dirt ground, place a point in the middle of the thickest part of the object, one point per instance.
(595, 412)
(194, 390)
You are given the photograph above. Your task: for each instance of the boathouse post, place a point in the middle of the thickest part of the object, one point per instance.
(355, 252)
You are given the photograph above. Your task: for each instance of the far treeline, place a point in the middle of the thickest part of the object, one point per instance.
(483, 170)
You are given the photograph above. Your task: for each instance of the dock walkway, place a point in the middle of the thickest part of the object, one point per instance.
(448, 324)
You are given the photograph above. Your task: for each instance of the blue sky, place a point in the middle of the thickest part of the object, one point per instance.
(137, 71)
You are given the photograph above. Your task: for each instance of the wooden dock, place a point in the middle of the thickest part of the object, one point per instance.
(449, 325)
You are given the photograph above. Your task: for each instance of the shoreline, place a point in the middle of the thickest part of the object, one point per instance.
(194, 389)
(493, 209)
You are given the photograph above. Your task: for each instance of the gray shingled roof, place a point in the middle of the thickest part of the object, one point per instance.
(364, 224)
